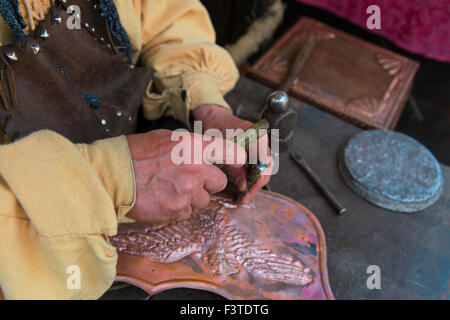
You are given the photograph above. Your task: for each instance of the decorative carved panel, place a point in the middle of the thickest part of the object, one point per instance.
(355, 80)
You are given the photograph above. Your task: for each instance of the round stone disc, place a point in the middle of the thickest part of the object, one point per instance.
(391, 170)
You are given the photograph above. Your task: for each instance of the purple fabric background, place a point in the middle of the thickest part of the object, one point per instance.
(420, 26)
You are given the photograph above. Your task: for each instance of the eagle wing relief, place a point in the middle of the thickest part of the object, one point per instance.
(264, 263)
(224, 247)
(167, 244)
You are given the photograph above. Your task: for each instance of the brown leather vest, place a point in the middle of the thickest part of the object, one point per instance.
(43, 84)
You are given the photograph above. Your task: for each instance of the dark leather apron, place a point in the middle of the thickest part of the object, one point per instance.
(57, 79)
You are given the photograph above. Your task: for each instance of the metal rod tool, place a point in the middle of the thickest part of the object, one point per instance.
(319, 184)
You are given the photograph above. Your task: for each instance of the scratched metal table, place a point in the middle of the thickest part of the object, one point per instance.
(412, 250)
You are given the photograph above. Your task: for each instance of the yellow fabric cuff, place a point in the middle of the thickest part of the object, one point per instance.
(202, 89)
(181, 93)
(111, 159)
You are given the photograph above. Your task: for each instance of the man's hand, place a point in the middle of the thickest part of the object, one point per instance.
(217, 117)
(167, 192)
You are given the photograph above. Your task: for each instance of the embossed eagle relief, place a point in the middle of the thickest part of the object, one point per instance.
(225, 248)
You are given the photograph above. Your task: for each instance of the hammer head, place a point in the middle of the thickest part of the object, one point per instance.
(280, 115)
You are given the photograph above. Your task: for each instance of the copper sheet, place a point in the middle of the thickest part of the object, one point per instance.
(273, 248)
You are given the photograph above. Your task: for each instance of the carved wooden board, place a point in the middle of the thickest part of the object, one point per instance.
(273, 248)
(353, 79)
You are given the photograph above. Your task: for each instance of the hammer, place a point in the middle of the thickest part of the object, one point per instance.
(279, 119)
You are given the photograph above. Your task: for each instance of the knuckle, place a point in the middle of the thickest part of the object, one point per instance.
(187, 185)
(178, 205)
(186, 213)
(204, 201)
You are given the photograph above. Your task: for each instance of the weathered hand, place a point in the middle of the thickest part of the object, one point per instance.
(217, 117)
(166, 191)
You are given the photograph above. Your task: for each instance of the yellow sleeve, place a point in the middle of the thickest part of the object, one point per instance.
(58, 203)
(178, 43)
